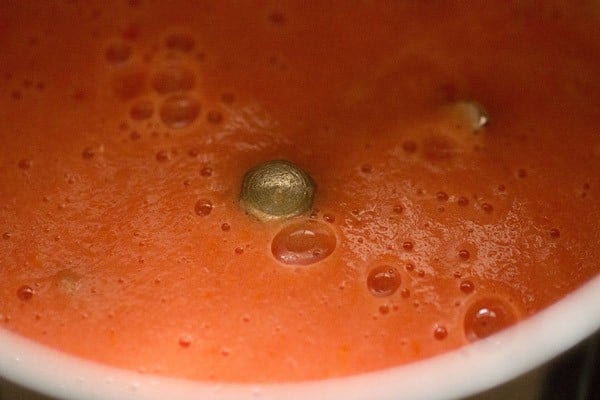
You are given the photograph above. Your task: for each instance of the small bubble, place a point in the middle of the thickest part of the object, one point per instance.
(92, 151)
(409, 146)
(227, 98)
(129, 83)
(405, 292)
(118, 53)
(398, 209)
(463, 201)
(440, 332)
(501, 188)
(174, 78)
(141, 110)
(25, 163)
(6, 236)
(410, 267)
(25, 292)
(206, 172)
(179, 111)
(185, 340)
(203, 207)
(214, 117)
(521, 173)
(384, 309)
(554, 233)
(486, 317)
(134, 135)
(329, 218)
(408, 245)
(193, 152)
(277, 18)
(441, 196)
(487, 207)
(467, 287)
(163, 156)
(383, 280)
(303, 243)
(464, 254)
(225, 227)
(366, 168)
(421, 273)
(239, 250)
(180, 41)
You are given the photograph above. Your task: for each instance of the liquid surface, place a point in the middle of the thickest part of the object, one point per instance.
(455, 150)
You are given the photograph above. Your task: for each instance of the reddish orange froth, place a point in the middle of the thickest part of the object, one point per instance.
(127, 130)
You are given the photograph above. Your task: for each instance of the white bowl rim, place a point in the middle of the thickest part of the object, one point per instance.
(459, 373)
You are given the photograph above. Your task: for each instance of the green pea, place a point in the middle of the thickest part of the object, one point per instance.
(277, 189)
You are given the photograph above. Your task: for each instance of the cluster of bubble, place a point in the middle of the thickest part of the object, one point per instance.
(482, 317)
(173, 82)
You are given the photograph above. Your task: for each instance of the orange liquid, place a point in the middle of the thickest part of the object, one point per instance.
(127, 129)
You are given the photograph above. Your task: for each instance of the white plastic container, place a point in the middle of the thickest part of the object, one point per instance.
(514, 359)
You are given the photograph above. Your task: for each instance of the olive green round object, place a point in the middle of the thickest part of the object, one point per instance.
(277, 189)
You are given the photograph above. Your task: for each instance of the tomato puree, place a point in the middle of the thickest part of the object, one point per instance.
(454, 147)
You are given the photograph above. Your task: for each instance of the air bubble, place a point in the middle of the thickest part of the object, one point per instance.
(25, 163)
(118, 53)
(383, 280)
(239, 250)
(329, 218)
(409, 146)
(225, 227)
(277, 18)
(129, 84)
(554, 233)
(227, 98)
(366, 168)
(464, 254)
(92, 151)
(214, 117)
(185, 340)
(441, 196)
(203, 207)
(180, 41)
(25, 292)
(6, 236)
(521, 173)
(398, 209)
(206, 172)
(463, 201)
(135, 135)
(488, 208)
(440, 332)
(179, 111)
(141, 110)
(303, 243)
(488, 316)
(408, 245)
(384, 309)
(467, 287)
(163, 156)
(172, 79)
